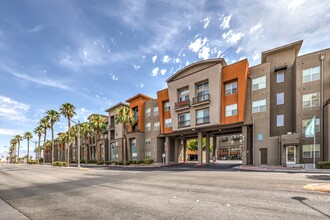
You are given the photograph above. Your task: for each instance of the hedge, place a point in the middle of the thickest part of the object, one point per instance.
(60, 163)
(323, 165)
(33, 162)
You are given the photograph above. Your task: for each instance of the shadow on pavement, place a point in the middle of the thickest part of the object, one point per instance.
(302, 201)
(319, 177)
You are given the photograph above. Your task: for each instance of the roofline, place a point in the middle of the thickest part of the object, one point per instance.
(219, 60)
(137, 96)
(162, 90)
(318, 51)
(245, 60)
(296, 45)
(116, 105)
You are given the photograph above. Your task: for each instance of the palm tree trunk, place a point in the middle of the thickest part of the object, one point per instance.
(43, 156)
(52, 145)
(18, 151)
(28, 140)
(38, 151)
(125, 144)
(97, 147)
(68, 141)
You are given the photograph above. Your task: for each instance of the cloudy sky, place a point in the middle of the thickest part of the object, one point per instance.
(94, 54)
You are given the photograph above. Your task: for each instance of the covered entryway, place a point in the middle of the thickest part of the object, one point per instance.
(291, 155)
(263, 156)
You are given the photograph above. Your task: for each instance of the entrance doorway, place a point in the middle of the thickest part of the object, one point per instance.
(263, 156)
(291, 154)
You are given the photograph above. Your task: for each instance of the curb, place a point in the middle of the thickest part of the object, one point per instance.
(320, 187)
(239, 168)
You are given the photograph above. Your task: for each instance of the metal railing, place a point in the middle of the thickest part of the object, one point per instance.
(201, 98)
(184, 123)
(203, 120)
(182, 104)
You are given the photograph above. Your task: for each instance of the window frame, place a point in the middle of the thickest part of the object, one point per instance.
(259, 106)
(280, 79)
(277, 98)
(233, 109)
(188, 121)
(311, 149)
(310, 100)
(311, 74)
(259, 81)
(231, 88)
(204, 117)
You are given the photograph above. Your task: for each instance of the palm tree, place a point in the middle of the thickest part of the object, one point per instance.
(124, 115)
(86, 130)
(13, 143)
(53, 117)
(98, 124)
(38, 131)
(44, 123)
(68, 111)
(28, 135)
(18, 139)
(46, 146)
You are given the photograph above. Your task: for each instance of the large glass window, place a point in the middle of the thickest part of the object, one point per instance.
(156, 126)
(311, 74)
(202, 91)
(280, 120)
(148, 140)
(133, 149)
(156, 112)
(305, 122)
(112, 146)
(168, 123)
(167, 106)
(308, 150)
(184, 120)
(183, 94)
(280, 77)
(148, 126)
(231, 110)
(259, 106)
(231, 88)
(202, 116)
(311, 100)
(280, 98)
(148, 112)
(259, 83)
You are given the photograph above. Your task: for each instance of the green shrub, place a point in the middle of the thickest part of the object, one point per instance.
(60, 164)
(33, 162)
(92, 161)
(100, 162)
(108, 162)
(323, 165)
(120, 163)
(148, 161)
(82, 161)
(133, 161)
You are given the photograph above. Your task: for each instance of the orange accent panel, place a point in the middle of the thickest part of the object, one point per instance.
(234, 72)
(162, 97)
(138, 101)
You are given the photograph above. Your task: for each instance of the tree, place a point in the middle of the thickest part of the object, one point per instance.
(53, 117)
(124, 115)
(44, 123)
(46, 147)
(98, 124)
(28, 135)
(193, 145)
(86, 130)
(68, 111)
(12, 149)
(18, 139)
(38, 131)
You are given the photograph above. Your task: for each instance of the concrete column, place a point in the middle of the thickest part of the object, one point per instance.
(167, 149)
(207, 150)
(176, 150)
(200, 148)
(184, 150)
(215, 147)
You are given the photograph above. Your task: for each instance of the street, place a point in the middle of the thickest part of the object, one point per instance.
(176, 192)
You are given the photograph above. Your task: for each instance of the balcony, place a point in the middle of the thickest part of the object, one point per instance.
(182, 105)
(201, 99)
(203, 120)
(185, 123)
(112, 126)
(136, 118)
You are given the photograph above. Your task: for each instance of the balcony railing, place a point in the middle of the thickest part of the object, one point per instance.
(182, 104)
(203, 120)
(201, 98)
(136, 118)
(185, 123)
(112, 125)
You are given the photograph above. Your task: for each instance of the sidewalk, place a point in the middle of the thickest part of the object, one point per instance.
(281, 169)
(8, 212)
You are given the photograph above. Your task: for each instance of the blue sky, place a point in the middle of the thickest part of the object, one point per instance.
(94, 54)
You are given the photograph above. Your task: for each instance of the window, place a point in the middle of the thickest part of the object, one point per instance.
(280, 98)
(231, 88)
(148, 140)
(280, 77)
(259, 106)
(311, 100)
(259, 83)
(156, 126)
(166, 106)
(148, 112)
(133, 149)
(156, 112)
(308, 150)
(148, 126)
(184, 120)
(260, 137)
(183, 94)
(168, 123)
(231, 110)
(305, 122)
(202, 91)
(280, 120)
(311, 74)
(112, 146)
(202, 116)
(148, 155)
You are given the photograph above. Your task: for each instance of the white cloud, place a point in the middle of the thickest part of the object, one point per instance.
(176, 60)
(231, 37)
(12, 110)
(239, 50)
(114, 77)
(155, 71)
(9, 132)
(206, 22)
(136, 67)
(295, 5)
(141, 85)
(187, 63)
(163, 71)
(225, 22)
(256, 56)
(197, 44)
(166, 59)
(154, 59)
(242, 58)
(86, 90)
(204, 53)
(255, 28)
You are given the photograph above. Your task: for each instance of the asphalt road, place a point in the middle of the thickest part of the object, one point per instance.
(177, 192)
